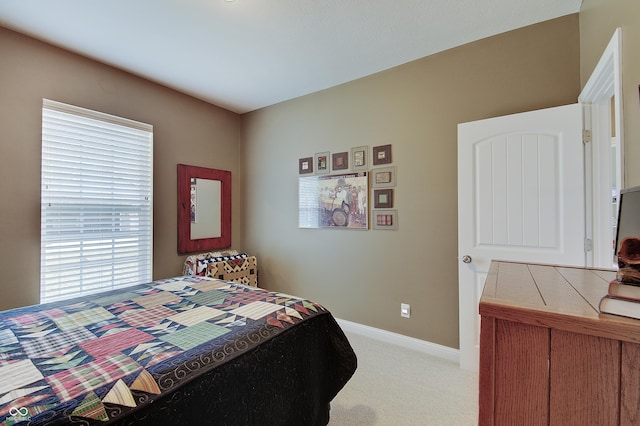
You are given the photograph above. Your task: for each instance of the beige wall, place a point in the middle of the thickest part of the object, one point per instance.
(185, 131)
(363, 276)
(598, 21)
(360, 276)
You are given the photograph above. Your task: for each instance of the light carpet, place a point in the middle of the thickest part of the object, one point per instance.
(398, 386)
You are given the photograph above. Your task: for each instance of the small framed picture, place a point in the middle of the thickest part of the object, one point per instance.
(305, 165)
(321, 160)
(359, 159)
(385, 219)
(383, 177)
(340, 161)
(383, 198)
(381, 155)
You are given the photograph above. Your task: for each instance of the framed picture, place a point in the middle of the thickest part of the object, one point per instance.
(340, 161)
(305, 165)
(333, 201)
(321, 160)
(383, 198)
(359, 159)
(383, 177)
(385, 219)
(381, 154)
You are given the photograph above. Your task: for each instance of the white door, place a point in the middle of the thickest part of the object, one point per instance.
(520, 197)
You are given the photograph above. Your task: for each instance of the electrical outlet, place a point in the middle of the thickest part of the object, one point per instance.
(405, 310)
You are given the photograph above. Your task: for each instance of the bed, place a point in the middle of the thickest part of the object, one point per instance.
(188, 350)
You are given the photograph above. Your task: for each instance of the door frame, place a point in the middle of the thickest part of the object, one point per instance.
(604, 83)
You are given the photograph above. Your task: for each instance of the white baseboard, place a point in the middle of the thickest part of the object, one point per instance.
(428, 348)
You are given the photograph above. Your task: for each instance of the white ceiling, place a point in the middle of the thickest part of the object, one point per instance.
(249, 54)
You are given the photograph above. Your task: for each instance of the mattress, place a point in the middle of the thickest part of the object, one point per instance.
(184, 350)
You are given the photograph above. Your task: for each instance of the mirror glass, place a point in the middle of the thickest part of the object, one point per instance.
(206, 213)
(204, 209)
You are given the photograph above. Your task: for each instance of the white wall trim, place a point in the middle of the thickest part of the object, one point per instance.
(423, 346)
(605, 82)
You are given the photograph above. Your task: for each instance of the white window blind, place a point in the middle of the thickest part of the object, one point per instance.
(96, 202)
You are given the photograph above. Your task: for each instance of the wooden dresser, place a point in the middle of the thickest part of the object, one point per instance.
(548, 357)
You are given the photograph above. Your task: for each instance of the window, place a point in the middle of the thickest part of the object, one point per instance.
(96, 202)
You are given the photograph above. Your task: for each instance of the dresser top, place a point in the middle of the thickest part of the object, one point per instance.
(560, 297)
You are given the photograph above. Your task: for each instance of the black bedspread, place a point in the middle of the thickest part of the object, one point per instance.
(289, 380)
(184, 351)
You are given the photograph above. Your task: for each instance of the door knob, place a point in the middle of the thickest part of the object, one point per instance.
(466, 258)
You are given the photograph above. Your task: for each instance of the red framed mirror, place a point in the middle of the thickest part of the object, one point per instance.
(204, 209)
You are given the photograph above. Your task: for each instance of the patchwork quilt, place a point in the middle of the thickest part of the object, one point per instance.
(95, 359)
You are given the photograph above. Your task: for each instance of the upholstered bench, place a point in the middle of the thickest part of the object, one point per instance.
(228, 265)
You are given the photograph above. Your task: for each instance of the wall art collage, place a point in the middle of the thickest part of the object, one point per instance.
(334, 189)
